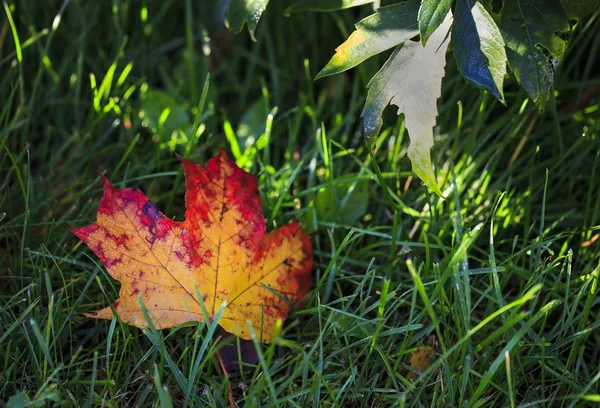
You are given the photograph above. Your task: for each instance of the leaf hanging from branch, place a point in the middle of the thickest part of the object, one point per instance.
(411, 79)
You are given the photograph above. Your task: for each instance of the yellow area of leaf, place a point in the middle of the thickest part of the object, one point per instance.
(420, 360)
(219, 256)
(346, 48)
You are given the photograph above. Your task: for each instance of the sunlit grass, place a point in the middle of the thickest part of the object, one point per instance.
(500, 276)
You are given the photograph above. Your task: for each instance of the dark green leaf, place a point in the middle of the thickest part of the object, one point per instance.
(531, 30)
(478, 47)
(381, 31)
(325, 5)
(431, 15)
(576, 9)
(242, 11)
(412, 80)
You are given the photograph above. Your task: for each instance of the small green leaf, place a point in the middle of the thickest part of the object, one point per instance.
(324, 5)
(344, 202)
(252, 124)
(576, 9)
(381, 31)
(412, 80)
(42, 399)
(531, 30)
(431, 14)
(20, 400)
(479, 47)
(162, 113)
(242, 11)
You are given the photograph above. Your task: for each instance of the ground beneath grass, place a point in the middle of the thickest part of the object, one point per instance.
(500, 277)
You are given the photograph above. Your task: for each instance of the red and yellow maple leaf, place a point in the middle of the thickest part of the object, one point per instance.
(221, 250)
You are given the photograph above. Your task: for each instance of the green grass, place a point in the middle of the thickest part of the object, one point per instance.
(501, 276)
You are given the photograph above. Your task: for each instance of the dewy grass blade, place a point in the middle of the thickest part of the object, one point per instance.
(163, 391)
(158, 342)
(428, 305)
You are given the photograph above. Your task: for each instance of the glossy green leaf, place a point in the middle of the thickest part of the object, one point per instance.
(479, 47)
(531, 30)
(385, 29)
(431, 14)
(576, 9)
(411, 79)
(325, 5)
(245, 11)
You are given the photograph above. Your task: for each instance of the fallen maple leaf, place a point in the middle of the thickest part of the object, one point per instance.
(420, 360)
(221, 251)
